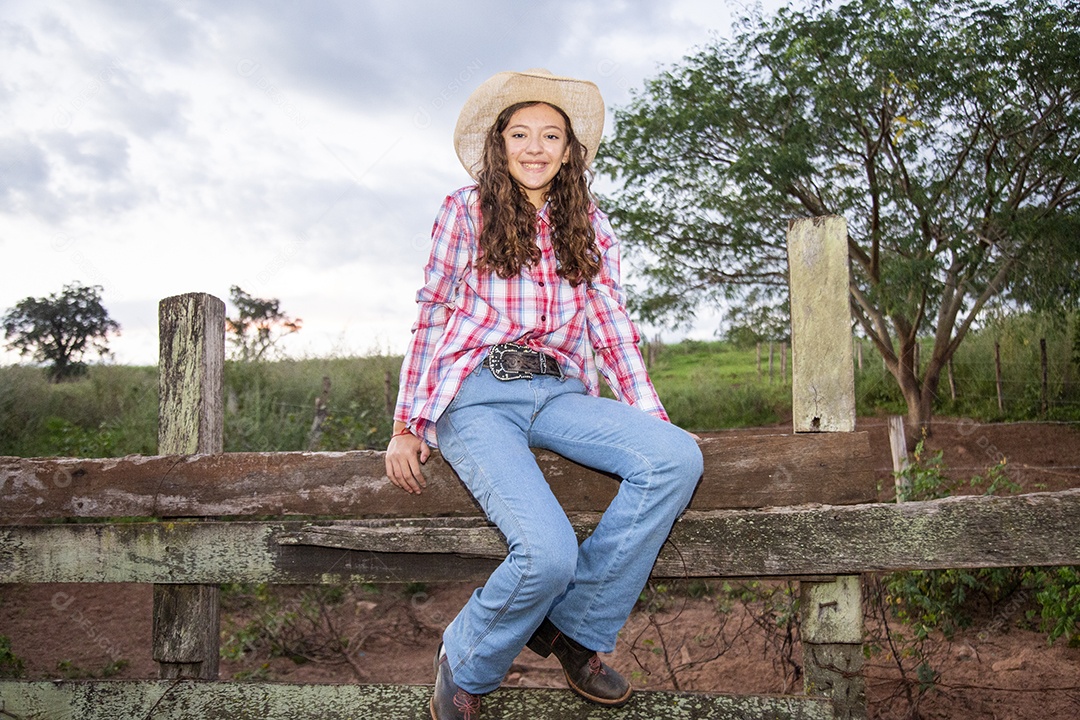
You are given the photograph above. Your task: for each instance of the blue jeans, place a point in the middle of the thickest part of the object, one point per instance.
(589, 590)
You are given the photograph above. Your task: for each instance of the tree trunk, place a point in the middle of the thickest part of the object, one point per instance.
(918, 417)
(919, 393)
(910, 387)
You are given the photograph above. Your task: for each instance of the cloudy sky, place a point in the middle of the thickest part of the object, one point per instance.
(298, 150)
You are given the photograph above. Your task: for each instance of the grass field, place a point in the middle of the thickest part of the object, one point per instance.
(704, 386)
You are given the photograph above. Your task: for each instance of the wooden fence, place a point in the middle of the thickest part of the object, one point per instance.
(794, 506)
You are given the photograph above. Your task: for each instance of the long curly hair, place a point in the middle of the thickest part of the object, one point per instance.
(508, 232)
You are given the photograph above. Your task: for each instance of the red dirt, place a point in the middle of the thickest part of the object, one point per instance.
(994, 670)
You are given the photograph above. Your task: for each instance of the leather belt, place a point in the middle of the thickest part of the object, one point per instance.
(510, 361)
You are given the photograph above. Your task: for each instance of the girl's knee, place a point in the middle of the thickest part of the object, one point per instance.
(690, 456)
(678, 450)
(683, 463)
(551, 559)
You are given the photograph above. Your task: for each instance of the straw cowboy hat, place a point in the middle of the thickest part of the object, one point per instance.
(579, 99)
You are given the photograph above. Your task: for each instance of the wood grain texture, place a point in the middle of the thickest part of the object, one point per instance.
(822, 365)
(191, 419)
(161, 700)
(740, 472)
(191, 332)
(964, 531)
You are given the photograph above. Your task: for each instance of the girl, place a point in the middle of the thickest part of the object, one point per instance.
(520, 307)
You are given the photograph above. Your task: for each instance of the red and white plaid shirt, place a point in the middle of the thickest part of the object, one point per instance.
(464, 312)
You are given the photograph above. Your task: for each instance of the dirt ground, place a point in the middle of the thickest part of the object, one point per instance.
(695, 638)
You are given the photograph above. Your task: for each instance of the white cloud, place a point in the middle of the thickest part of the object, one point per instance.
(299, 151)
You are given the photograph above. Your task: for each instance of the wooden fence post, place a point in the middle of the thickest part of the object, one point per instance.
(900, 461)
(191, 328)
(823, 374)
(997, 376)
(823, 400)
(1044, 393)
(952, 380)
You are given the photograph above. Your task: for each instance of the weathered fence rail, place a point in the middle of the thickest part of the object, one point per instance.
(798, 506)
(975, 531)
(744, 472)
(184, 700)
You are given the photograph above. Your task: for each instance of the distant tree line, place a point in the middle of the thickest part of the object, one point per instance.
(61, 329)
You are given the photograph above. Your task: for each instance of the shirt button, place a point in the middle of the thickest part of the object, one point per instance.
(541, 283)
(543, 318)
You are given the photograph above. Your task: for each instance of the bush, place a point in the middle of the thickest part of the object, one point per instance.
(11, 665)
(111, 411)
(948, 600)
(1057, 593)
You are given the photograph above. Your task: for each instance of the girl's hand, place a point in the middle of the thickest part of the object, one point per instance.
(404, 456)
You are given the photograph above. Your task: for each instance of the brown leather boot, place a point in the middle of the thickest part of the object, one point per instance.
(586, 674)
(449, 701)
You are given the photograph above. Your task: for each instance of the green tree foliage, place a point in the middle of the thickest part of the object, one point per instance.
(60, 329)
(1049, 278)
(11, 665)
(946, 132)
(259, 324)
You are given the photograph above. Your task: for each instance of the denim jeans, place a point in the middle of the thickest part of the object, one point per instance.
(589, 590)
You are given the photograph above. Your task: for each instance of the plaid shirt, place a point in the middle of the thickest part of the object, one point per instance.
(464, 312)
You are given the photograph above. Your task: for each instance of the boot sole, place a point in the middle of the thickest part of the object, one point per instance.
(606, 702)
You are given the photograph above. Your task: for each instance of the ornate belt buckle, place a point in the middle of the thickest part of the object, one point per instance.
(506, 362)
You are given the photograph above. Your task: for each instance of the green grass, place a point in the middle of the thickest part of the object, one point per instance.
(714, 385)
(112, 411)
(974, 373)
(270, 406)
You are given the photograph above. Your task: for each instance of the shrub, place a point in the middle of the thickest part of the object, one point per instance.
(11, 665)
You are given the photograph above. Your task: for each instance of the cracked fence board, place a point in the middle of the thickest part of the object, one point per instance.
(163, 700)
(740, 471)
(957, 532)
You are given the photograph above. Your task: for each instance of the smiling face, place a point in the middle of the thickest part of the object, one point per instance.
(536, 147)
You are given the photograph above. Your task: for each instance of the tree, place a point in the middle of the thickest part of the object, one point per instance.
(946, 132)
(1049, 280)
(60, 329)
(258, 326)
